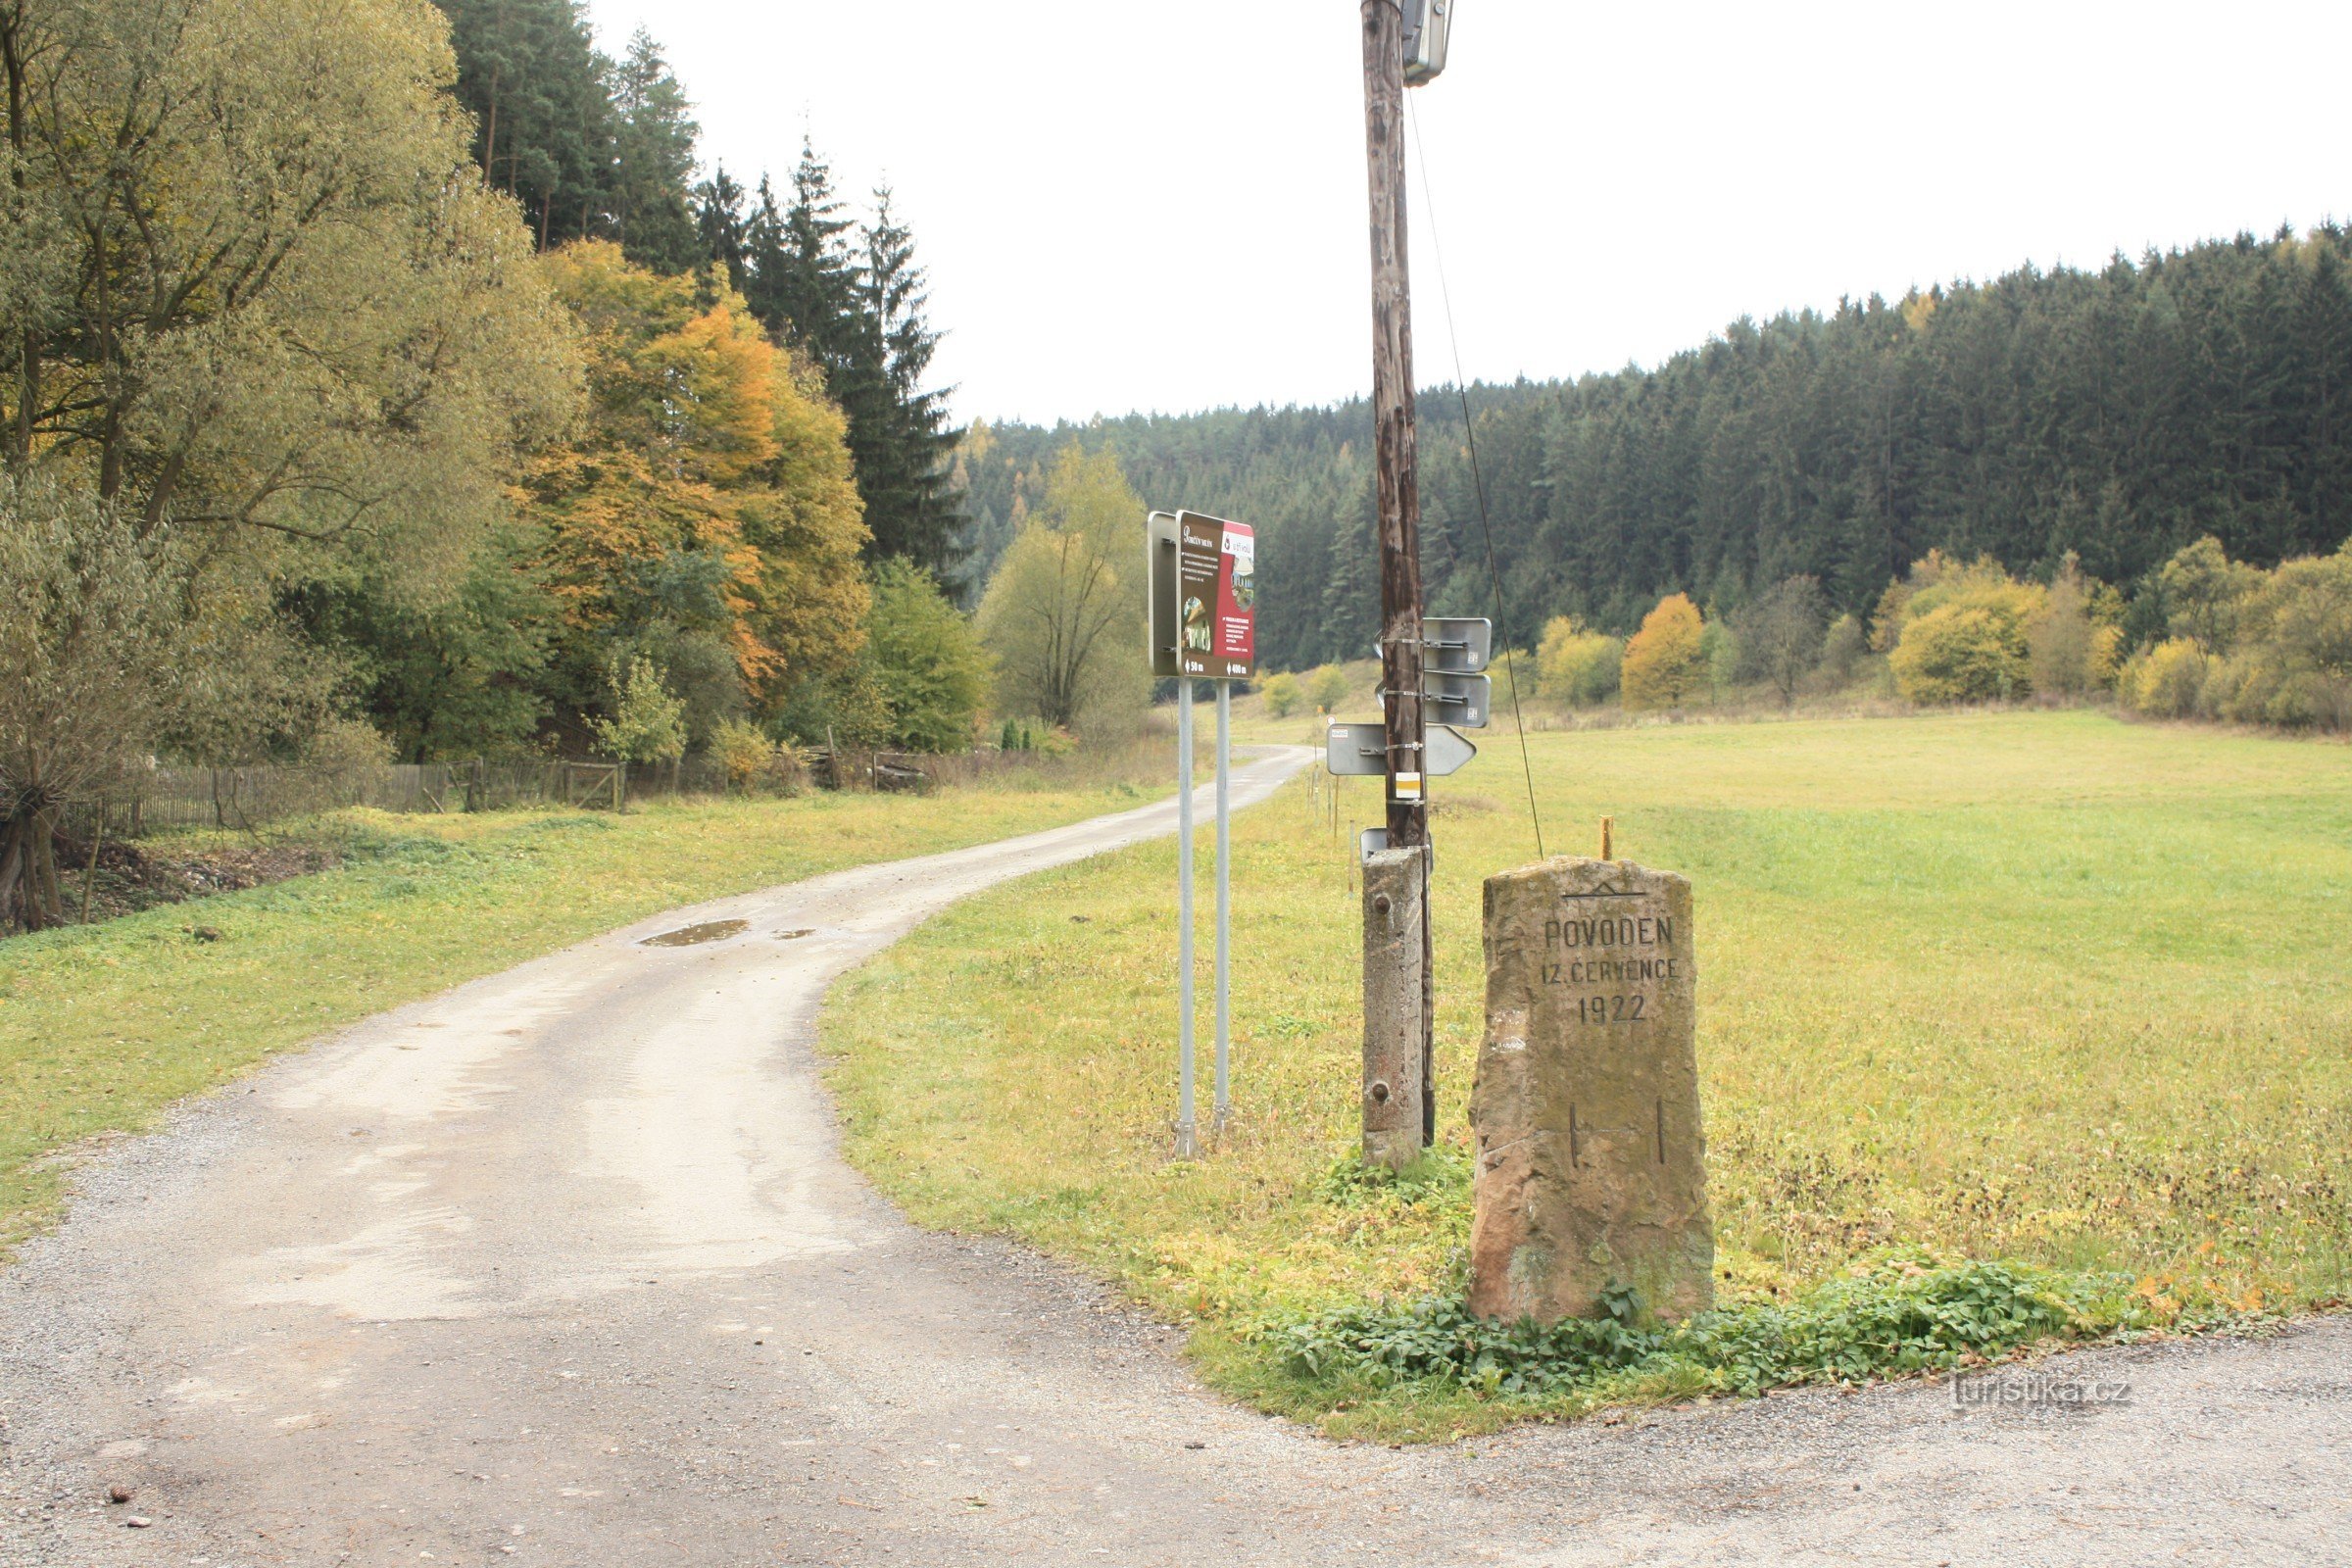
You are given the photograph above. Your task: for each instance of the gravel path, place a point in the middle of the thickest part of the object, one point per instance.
(564, 1268)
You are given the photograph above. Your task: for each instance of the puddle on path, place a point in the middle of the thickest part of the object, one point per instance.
(795, 936)
(687, 936)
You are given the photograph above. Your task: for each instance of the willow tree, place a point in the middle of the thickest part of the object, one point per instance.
(92, 649)
(260, 306)
(1063, 615)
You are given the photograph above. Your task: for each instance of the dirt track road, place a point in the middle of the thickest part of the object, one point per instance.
(563, 1268)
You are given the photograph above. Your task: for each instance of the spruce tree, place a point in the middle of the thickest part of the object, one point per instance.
(763, 259)
(653, 161)
(722, 226)
(905, 445)
(852, 299)
(814, 291)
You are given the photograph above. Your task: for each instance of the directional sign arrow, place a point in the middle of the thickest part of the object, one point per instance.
(1446, 750)
(1361, 750)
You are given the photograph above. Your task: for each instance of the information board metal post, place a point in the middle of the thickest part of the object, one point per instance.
(1224, 1095)
(1187, 1143)
(1201, 581)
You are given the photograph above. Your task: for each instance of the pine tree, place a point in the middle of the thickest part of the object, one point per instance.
(543, 124)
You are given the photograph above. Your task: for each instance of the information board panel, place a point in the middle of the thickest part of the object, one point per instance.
(1216, 596)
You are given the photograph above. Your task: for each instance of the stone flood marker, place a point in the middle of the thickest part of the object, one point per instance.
(1592, 1162)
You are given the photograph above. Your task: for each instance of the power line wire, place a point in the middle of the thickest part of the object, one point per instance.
(1478, 482)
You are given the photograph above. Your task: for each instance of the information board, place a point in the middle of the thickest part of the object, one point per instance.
(1216, 596)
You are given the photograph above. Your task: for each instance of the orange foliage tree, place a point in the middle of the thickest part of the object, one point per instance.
(704, 514)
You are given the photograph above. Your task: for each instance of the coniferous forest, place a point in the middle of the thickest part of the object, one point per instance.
(2118, 415)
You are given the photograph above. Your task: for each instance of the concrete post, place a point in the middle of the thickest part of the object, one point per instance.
(1394, 881)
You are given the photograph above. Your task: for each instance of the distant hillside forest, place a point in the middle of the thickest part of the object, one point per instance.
(2118, 415)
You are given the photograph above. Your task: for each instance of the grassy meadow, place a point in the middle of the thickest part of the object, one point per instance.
(2038, 987)
(102, 1025)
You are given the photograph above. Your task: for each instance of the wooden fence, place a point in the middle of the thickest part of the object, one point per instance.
(247, 798)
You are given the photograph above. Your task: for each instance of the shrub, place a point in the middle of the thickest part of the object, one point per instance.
(1959, 654)
(1962, 653)
(1577, 666)
(1666, 662)
(2304, 614)
(648, 723)
(746, 755)
(341, 744)
(1283, 695)
(1842, 649)
(2309, 701)
(2167, 681)
(1904, 1311)
(2205, 595)
(2256, 647)
(1327, 688)
(2060, 642)
(1966, 633)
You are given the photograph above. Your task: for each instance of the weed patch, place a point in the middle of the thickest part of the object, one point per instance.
(1902, 1312)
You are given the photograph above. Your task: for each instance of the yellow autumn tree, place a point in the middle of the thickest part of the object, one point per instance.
(1666, 662)
(1966, 633)
(705, 515)
(1576, 664)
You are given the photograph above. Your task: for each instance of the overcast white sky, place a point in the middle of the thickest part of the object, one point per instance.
(1162, 206)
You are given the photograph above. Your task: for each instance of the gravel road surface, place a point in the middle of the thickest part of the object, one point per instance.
(563, 1268)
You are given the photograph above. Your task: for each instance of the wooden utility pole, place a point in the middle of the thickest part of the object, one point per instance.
(1396, 470)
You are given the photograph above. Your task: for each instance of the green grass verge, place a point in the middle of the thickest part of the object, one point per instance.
(2041, 988)
(102, 1025)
